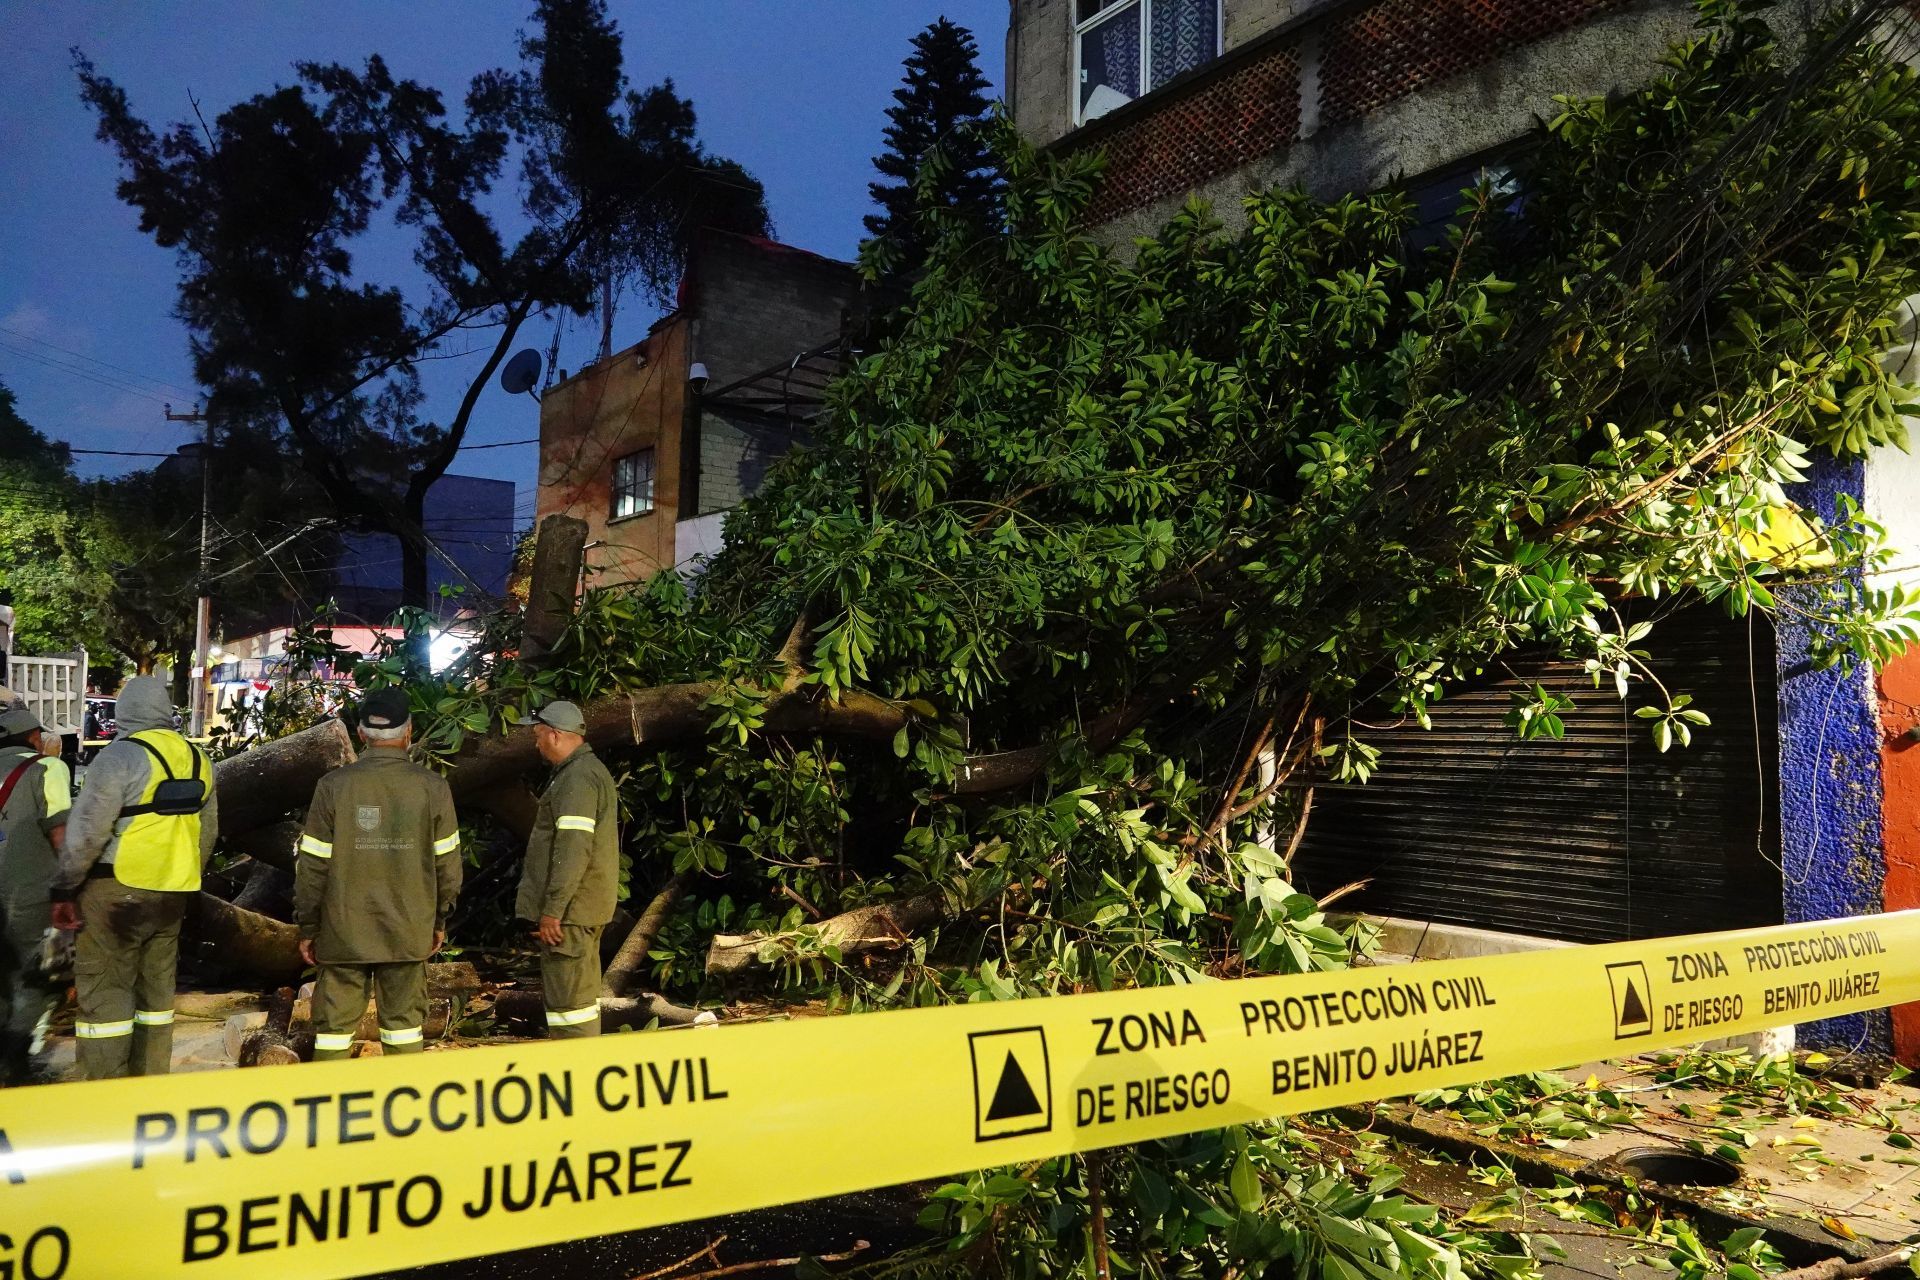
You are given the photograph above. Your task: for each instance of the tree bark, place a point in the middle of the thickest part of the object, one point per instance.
(881, 927)
(623, 975)
(268, 892)
(231, 939)
(260, 785)
(552, 584)
(274, 844)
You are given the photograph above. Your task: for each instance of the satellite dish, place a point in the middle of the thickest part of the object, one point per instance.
(521, 373)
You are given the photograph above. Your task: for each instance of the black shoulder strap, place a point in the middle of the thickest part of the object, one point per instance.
(164, 766)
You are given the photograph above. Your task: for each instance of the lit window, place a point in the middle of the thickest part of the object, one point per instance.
(1127, 47)
(633, 484)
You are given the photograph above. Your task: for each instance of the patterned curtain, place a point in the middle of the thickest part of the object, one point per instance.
(1110, 55)
(1186, 34)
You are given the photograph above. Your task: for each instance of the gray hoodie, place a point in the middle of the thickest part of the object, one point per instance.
(116, 779)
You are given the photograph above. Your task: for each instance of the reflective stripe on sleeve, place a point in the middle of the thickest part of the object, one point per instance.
(403, 1035)
(448, 844)
(331, 1040)
(573, 822)
(318, 848)
(153, 1017)
(572, 1017)
(102, 1030)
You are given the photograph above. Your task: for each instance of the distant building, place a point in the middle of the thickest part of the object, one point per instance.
(653, 445)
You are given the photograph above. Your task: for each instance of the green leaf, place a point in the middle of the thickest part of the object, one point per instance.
(1244, 1183)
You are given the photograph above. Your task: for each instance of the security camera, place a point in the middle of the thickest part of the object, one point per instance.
(697, 377)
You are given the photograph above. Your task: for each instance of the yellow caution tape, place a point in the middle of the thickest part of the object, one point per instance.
(345, 1168)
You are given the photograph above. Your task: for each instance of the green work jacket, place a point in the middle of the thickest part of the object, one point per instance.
(379, 863)
(39, 803)
(572, 870)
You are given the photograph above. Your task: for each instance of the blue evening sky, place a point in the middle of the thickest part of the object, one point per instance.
(792, 89)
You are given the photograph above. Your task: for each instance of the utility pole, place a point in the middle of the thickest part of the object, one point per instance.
(203, 613)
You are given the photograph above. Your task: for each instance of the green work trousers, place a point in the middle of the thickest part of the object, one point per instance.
(27, 996)
(340, 1001)
(570, 981)
(123, 966)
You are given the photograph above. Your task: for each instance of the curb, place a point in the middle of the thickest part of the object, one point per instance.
(1800, 1242)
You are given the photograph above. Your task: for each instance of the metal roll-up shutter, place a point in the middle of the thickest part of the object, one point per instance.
(1591, 838)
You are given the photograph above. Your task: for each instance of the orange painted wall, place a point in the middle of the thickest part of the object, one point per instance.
(1900, 816)
(632, 400)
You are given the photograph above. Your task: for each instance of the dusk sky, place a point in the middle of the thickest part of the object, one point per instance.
(792, 89)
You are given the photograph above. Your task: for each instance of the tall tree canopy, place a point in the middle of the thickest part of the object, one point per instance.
(941, 105)
(267, 205)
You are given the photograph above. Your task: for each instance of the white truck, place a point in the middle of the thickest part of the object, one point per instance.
(54, 688)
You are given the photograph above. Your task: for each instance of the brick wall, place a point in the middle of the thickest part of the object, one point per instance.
(758, 304)
(1276, 88)
(735, 455)
(1375, 54)
(1250, 110)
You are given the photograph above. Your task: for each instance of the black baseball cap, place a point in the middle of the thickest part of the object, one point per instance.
(385, 709)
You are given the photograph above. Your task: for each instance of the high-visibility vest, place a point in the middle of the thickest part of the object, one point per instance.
(161, 850)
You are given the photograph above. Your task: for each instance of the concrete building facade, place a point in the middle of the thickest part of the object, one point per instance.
(1218, 98)
(655, 444)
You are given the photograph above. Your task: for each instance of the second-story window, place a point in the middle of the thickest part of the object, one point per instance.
(1123, 48)
(633, 484)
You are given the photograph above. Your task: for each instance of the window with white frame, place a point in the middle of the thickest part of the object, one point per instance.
(1124, 48)
(633, 484)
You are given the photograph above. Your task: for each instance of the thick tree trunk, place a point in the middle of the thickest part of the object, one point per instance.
(274, 844)
(268, 892)
(881, 927)
(260, 785)
(229, 939)
(623, 974)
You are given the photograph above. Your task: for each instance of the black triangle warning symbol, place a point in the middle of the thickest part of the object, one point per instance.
(1013, 1096)
(1632, 1011)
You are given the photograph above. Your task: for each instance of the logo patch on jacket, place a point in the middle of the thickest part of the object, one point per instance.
(367, 818)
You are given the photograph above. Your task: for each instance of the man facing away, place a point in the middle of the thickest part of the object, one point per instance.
(572, 872)
(379, 870)
(138, 837)
(35, 793)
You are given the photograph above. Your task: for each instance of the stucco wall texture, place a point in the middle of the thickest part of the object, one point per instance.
(1830, 783)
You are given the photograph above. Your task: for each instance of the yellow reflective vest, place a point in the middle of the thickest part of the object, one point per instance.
(161, 851)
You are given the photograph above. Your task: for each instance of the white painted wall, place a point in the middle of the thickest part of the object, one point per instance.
(696, 539)
(1892, 490)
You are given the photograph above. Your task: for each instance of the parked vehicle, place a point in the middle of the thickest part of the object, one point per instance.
(54, 687)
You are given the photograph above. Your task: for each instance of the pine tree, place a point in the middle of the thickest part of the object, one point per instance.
(941, 102)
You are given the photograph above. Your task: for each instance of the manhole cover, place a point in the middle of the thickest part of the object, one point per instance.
(1673, 1168)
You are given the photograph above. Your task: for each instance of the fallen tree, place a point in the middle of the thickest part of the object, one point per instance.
(1099, 561)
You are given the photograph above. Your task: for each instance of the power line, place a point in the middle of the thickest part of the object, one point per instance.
(76, 371)
(503, 444)
(119, 453)
(107, 364)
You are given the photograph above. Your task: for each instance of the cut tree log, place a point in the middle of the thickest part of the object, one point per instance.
(231, 939)
(883, 926)
(551, 585)
(623, 974)
(261, 784)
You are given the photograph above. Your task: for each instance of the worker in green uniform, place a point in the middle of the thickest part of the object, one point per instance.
(572, 872)
(379, 870)
(35, 793)
(138, 837)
